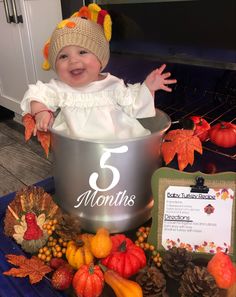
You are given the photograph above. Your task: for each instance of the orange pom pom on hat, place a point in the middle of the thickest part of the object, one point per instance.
(89, 28)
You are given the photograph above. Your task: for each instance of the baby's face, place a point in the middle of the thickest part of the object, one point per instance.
(76, 66)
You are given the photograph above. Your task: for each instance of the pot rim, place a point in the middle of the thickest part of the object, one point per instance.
(117, 141)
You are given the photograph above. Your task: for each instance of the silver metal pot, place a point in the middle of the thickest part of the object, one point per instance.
(107, 183)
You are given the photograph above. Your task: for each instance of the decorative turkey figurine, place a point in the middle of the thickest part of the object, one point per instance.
(33, 231)
(31, 208)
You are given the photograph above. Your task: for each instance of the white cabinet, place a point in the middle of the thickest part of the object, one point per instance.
(21, 46)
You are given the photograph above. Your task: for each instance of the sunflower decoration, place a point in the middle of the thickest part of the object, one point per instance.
(26, 215)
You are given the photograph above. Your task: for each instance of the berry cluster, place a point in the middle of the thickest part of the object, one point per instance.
(142, 235)
(50, 226)
(55, 247)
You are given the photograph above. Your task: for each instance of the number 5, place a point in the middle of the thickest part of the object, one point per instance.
(115, 172)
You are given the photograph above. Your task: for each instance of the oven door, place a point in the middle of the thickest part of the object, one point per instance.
(70, 6)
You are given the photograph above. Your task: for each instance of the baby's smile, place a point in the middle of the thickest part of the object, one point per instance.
(77, 71)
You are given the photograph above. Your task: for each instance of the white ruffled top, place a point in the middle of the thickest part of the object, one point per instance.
(103, 110)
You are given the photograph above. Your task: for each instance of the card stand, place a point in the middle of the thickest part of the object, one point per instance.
(165, 177)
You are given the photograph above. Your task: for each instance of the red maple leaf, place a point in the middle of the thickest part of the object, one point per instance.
(183, 143)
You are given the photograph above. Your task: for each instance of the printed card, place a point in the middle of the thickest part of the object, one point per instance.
(199, 222)
(196, 211)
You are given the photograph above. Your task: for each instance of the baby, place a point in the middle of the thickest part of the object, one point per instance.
(92, 104)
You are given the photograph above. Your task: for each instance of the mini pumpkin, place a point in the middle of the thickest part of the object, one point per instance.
(126, 258)
(201, 127)
(88, 281)
(223, 134)
(78, 253)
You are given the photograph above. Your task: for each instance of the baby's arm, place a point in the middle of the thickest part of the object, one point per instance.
(43, 116)
(157, 80)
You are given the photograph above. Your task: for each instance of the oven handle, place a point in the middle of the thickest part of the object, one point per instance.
(7, 13)
(16, 18)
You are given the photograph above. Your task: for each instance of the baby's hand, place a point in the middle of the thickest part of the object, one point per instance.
(157, 80)
(43, 120)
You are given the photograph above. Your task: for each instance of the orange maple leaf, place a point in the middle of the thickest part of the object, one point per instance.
(33, 267)
(183, 143)
(43, 137)
(29, 124)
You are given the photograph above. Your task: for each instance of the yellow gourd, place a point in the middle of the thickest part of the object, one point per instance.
(121, 286)
(101, 243)
(78, 255)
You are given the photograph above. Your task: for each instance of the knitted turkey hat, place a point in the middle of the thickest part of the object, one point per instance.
(89, 28)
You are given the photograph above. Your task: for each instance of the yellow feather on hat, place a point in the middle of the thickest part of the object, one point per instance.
(107, 27)
(94, 9)
(46, 65)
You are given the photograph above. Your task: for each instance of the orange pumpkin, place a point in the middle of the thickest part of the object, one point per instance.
(88, 281)
(126, 258)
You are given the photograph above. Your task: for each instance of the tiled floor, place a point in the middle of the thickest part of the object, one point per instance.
(21, 163)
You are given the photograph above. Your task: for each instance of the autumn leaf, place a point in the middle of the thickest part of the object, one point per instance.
(33, 267)
(29, 124)
(183, 143)
(45, 139)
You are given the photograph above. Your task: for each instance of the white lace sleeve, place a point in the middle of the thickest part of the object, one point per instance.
(137, 101)
(40, 92)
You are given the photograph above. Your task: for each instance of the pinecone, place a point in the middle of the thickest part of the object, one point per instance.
(68, 227)
(175, 261)
(197, 282)
(152, 281)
